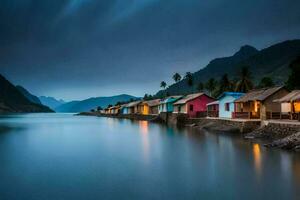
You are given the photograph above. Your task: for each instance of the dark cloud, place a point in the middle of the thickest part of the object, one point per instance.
(79, 48)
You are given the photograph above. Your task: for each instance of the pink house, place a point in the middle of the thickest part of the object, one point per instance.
(194, 105)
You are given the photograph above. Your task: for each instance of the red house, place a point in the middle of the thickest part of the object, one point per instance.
(194, 105)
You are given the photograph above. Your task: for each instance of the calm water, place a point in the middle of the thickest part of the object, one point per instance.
(59, 156)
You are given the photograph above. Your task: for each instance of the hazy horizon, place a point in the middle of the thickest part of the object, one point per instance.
(73, 50)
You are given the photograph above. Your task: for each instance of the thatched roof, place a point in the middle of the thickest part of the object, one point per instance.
(258, 94)
(152, 103)
(292, 96)
(188, 98)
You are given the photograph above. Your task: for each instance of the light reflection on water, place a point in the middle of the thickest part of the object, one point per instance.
(60, 156)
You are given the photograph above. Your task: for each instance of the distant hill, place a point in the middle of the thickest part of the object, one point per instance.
(91, 103)
(12, 100)
(272, 61)
(28, 95)
(51, 102)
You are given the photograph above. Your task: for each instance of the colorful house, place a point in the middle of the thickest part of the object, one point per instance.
(290, 106)
(194, 105)
(124, 109)
(132, 107)
(167, 104)
(149, 107)
(213, 109)
(259, 103)
(226, 103)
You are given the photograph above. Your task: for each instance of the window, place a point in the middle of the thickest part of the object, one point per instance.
(227, 106)
(191, 108)
(179, 109)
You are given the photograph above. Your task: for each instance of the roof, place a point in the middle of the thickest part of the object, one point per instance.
(188, 98)
(232, 94)
(292, 96)
(213, 103)
(259, 94)
(152, 103)
(132, 104)
(170, 99)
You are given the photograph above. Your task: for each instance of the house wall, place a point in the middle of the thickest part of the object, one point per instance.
(222, 108)
(199, 105)
(182, 108)
(153, 110)
(270, 106)
(285, 107)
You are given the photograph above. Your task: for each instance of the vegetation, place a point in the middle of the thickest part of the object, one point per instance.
(200, 87)
(211, 85)
(293, 81)
(189, 79)
(266, 82)
(225, 85)
(245, 83)
(163, 84)
(176, 77)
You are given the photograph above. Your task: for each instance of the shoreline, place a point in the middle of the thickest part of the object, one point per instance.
(282, 134)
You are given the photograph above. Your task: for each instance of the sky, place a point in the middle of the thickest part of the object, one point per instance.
(76, 49)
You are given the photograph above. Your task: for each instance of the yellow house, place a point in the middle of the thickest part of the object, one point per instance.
(149, 107)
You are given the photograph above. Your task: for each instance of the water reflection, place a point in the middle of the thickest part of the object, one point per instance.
(144, 130)
(257, 158)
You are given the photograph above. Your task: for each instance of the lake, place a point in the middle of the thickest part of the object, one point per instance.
(61, 156)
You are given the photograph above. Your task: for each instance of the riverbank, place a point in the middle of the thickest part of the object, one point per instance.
(282, 134)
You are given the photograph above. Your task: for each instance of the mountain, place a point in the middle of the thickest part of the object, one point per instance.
(51, 102)
(272, 61)
(12, 100)
(28, 95)
(92, 103)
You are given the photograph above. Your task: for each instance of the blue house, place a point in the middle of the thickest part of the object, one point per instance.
(226, 103)
(167, 104)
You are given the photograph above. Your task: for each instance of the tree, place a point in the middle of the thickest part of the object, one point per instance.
(176, 77)
(225, 84)
(109, 106)
(163, 84)
(244, 84)
(266, 82)
(99, 108)
(189, 79)
(200, 87)
(92, 110)
(293, 81)
(211, 85)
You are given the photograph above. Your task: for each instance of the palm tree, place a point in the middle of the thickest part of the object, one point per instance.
(225, 84)
(211, 85)
(189, 78)
(163, 84)
(244, 84)
(176, 77)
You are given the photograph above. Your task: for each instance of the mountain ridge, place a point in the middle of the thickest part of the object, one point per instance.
(13, 101)
(271, 61)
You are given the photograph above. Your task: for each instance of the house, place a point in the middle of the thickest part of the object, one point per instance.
(124, 109)
(115, 110)
(167, 104)
(226, 103)
(194, 105)
(290, 106)
(132, 107)
(149, 107)
(259, 103)
(213, 109)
